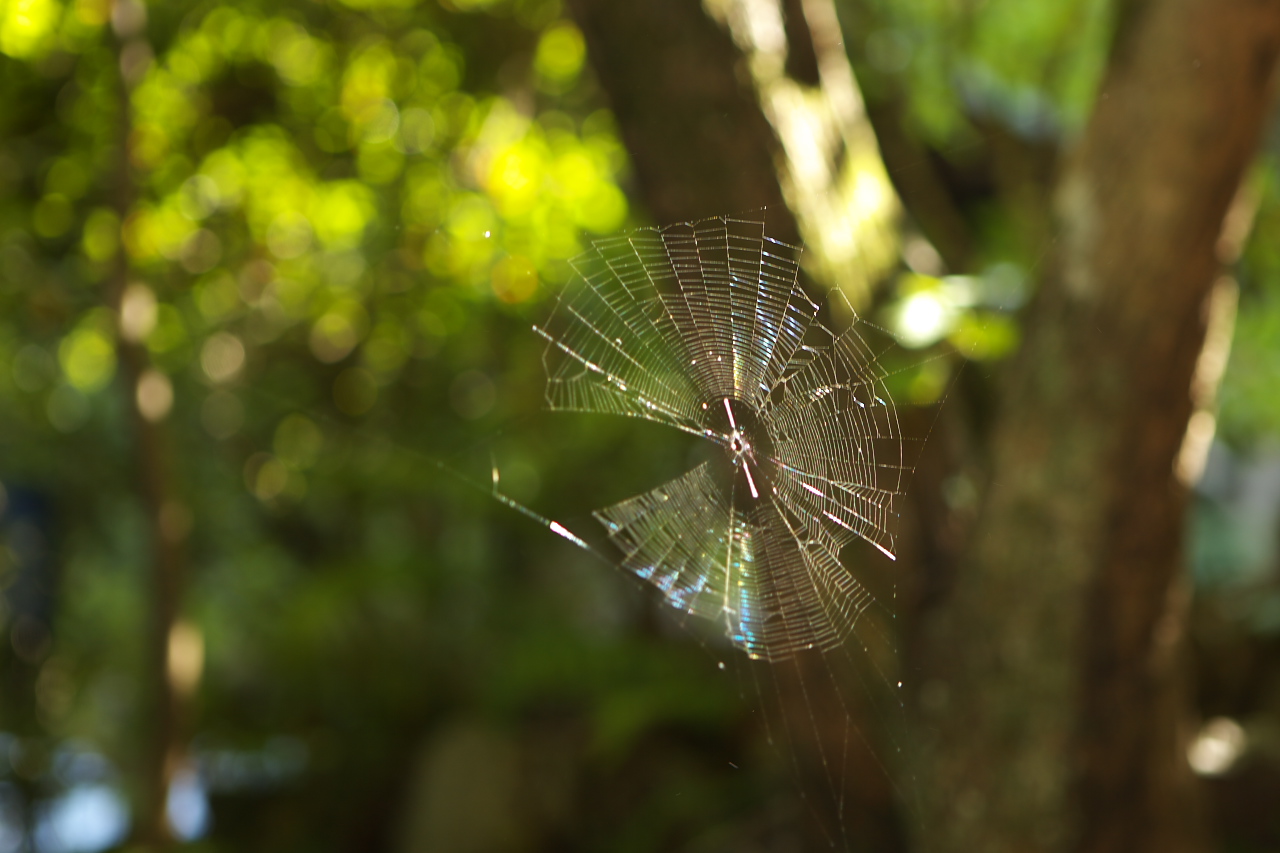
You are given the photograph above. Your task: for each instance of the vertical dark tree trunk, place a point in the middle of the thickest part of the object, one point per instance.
(1052, 715)
(698, 138)
(162, 736)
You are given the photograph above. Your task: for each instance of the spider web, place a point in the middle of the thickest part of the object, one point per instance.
(703, 326)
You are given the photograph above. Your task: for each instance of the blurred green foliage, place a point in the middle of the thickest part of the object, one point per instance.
(330, 226)
(1250, 404)
(1033, 68)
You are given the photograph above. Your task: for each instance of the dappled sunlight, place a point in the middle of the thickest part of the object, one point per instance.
(833, 176)
(972, 313)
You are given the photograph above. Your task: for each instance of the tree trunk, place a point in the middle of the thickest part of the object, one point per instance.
(698, 138)
(165, 700)
(1051, 714)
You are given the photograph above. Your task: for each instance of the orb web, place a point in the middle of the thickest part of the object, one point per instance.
(703, 326)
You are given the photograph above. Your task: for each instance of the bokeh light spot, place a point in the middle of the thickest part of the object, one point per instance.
(333, 337)
(1216, 747)
(201, 251)
(217, 296)
(514, 280)
(289, 235)
(298, 442)
(417, 130)
(154, 395)
(88, 358)
(222, 357)
(388, 348)
(265, 477)
(560, 54)
(138, 312)
(26, 26)
(101, 236)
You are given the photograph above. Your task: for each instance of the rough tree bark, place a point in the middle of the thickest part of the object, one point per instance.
(1052, 715)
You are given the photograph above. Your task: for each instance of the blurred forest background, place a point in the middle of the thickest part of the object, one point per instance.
(265, 266)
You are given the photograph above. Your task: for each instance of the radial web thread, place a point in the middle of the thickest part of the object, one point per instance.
(703, 326)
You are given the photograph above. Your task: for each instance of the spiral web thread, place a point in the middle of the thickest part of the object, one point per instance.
(703, 326)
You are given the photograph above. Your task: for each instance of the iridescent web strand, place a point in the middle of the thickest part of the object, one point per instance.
(703, 326)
